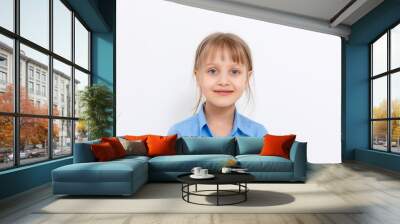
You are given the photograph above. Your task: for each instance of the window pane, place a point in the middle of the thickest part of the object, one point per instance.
(81, 81)
(379, 88)
(379, 135)
(6, 74)
(81, 131)
(62, 89)
(395, 47)
(395, 94)
(379, 55)
(35, 21)
(81, 45)
(395, 136)
(33, 140)
(62, 29)
(7, 14)
(62, 137)
(34, 81)
(6, 142)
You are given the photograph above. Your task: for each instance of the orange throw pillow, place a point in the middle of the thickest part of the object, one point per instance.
(103, 151)
(161, 145)
(136, 137)
(275, 145)
(116, 145)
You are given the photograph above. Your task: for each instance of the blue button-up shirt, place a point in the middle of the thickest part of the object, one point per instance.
(196, 125)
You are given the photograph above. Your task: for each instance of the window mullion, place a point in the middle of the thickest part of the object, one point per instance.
(73, 82)
(371, 98)
(50, 87)
(389, 107)
(16, 84)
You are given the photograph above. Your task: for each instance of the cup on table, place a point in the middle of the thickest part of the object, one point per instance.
(203, 172)
(226, 170)
(196, 170)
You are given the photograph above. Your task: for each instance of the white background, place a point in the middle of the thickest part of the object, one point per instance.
(296, 84)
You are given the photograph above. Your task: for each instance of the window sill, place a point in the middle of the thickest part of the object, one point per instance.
(382, 159)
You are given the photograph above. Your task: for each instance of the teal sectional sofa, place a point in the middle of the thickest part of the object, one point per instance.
(125, 176)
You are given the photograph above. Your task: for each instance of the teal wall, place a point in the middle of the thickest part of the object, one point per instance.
(102, 63)
(102, 58)
(24, 178)
(99, 15)
(355, 128)
(103, 52)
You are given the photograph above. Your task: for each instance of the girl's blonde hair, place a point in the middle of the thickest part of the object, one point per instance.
(238, 49)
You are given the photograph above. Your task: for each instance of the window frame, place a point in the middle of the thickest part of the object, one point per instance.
(388, 74)
(15, 72)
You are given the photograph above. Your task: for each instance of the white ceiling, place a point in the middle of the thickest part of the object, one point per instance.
(315, 15)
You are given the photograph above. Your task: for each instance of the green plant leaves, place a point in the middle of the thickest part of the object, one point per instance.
(96, 102)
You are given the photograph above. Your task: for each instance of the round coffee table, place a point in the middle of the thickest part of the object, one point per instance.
(239, 179)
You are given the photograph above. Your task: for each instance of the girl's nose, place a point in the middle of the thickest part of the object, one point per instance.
(223, 78)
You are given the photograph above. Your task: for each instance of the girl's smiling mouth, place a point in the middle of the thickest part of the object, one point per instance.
(223, 92)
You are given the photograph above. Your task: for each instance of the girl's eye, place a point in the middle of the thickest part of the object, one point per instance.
(236, 72)
(212, 71)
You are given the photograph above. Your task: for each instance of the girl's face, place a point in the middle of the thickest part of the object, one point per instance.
(222, 81)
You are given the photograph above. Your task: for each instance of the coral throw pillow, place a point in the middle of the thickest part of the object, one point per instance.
(103, 151)
(161, 145)
(137, 137)
(116, 145)
(275, 145)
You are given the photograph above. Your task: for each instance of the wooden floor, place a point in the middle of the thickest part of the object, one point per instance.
(378, 188)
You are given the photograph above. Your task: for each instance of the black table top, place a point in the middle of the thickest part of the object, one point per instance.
(220, 178)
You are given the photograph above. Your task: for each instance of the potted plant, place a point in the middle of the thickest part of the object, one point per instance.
(96, 102)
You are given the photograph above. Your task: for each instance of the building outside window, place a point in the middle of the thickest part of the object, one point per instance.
(3, 72)
(37, 75)
(3, 61)
(30, 87)
(30, 72)
(43, 90)
(43, 77)
(38, 89)
(3, 78)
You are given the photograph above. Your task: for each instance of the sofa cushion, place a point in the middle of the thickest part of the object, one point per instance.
(103, 151)
(116, 145)
(277, 145)
(83, 152)
(161, 145)
(142, 138)
(189, 145)
(249, 145)
(136, 137)
(132, 158)
(111, 171)
(257, 163)
(134, 147)
(185, 163)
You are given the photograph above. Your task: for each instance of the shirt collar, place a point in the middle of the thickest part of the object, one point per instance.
(237, 120)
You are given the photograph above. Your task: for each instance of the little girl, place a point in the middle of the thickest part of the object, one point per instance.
(222, 67)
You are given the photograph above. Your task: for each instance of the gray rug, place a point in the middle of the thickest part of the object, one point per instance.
(166, 198)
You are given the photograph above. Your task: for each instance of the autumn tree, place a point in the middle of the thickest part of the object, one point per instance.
(33, 131)
(6, 122)
(380, 127)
